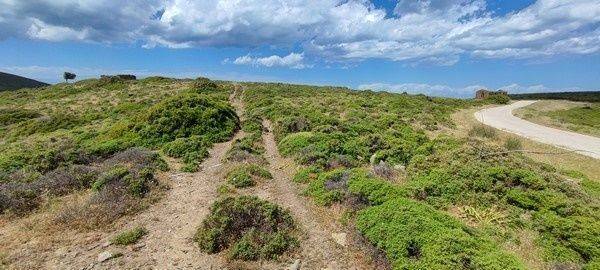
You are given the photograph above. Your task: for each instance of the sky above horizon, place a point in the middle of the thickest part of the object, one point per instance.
(442, 48)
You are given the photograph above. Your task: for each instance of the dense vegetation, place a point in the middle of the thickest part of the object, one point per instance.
(588, 96)
(250, 228)
(429, 201)
(247, 175)
(586, 118)
(575, 116)
(106, 136)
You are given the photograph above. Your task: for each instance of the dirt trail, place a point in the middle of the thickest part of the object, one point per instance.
(171, 224)
(318, 249)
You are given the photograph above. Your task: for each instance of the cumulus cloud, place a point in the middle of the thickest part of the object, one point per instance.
(540, 88)
(293, 60)
(438, 32)
(460, 92)
(427, 89)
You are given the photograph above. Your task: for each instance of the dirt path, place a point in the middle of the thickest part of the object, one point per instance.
(502, 118)
(172, 222)
(318, 249)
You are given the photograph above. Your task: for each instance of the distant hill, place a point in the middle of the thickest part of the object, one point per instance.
(588, 96)
(14, 82)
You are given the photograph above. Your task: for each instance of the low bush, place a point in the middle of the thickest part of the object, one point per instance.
(513, 144)
(247, 149)
(295, 142)
(329, 187)
(129, 237)
(192, 149)
(416, 236)
(202, 84)
(249, 227)
(13, 116)
(483, 131)
(247, 175)
(306, 175)
(498, 99)
(187, 115)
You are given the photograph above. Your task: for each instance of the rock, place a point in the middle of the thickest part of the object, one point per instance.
(136, 247)
(104, 256)
(339, 238)
(295, 265)
(106, 244)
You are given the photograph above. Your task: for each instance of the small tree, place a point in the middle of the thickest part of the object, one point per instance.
(69, 76)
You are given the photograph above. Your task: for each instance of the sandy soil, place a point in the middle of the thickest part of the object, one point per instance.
(502, 118)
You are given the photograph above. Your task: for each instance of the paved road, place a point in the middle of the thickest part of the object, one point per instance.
(502, 118)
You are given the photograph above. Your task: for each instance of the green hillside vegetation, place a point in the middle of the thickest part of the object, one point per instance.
(248, 227)
(14, 82)
(586, 118)
(575, 116)
(105, 136)
(585, 96)
(459, 203)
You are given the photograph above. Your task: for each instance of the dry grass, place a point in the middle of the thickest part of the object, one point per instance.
(525, 248)
(554, 156)
(538, 113)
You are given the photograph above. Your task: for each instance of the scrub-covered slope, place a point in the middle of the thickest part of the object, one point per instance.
(429, 200)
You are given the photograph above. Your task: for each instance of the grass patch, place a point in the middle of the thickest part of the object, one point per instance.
(513, 143)
(416, 236)
(246, 175)
(129, 237)
(250, 228)
(483, 131)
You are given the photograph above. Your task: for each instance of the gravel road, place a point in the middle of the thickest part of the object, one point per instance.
(502, 118)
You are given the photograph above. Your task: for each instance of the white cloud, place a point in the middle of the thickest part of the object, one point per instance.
(41, 30)
(293, 60)
(516, 88)
(461, 92)
(438, 32)
(422, 88)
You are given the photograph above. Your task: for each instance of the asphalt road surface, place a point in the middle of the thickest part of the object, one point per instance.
(502, 118)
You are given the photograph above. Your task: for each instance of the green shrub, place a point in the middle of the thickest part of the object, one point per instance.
(372, 190)
(114, 174)
(483, 131)
(572, 238)
(329, 187)
(12, 116)
(201, 84)
(129, 237)
(247, 149)
(416, 236)
(294, 142)
(247, 175)
(498, 99)
(249, 227)
(306, 175)
(513, 144)
(188, 115)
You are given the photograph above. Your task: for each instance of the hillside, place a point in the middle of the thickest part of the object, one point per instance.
(584, 96)
(579, 117)
(166, 173)
(14, 82)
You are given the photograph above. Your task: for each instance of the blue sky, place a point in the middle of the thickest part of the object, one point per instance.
(445, 48)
